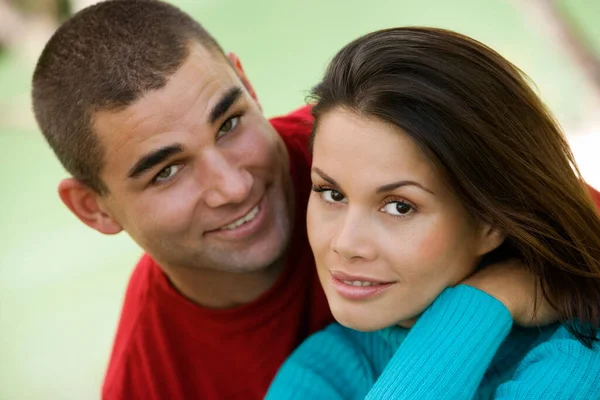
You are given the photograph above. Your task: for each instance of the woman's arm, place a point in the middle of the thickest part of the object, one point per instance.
(448, 350)
(444, 355)
(451, 346)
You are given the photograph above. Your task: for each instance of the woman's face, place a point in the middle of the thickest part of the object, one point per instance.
(387, 233)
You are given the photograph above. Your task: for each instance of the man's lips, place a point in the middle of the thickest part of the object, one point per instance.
(243, 226)
(239, 220)
(246, 218)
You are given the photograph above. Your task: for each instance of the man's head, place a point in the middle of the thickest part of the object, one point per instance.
(105, 58)
(164, 138)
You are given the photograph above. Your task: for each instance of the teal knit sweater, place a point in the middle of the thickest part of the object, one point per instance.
(464, 346)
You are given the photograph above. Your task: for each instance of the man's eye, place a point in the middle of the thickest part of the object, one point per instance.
(228, 126)
(167, 173)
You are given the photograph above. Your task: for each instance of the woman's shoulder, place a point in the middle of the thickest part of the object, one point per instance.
(368, 352)
(560, 338)
(334, 363)
(557, 366)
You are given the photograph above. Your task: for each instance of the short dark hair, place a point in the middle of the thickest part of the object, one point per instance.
(105, 58)
(478, 121)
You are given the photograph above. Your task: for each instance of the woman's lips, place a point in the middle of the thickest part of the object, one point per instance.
(358, 287)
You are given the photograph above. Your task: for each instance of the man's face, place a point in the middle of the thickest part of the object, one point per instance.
(197, 176)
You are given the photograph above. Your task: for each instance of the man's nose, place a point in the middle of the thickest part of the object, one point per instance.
(227, 183)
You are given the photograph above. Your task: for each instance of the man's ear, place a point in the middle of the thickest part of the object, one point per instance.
(490, 238)
(86, 204)
(237, 66)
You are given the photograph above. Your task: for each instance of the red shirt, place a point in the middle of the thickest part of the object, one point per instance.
(595, 196)
(167, 347)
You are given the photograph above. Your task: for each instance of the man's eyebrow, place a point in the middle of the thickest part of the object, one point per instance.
(226, 101)
(391, 186)
(325, 176)
(151, 159)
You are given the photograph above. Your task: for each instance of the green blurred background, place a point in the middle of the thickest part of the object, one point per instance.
(61, 283)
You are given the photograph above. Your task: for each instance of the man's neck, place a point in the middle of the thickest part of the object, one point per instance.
(221, 290)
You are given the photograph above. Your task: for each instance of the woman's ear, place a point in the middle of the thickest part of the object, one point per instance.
(85, 203)
(490, 238)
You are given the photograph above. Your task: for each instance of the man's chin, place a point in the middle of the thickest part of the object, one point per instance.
(252, 261)
(264, 262)
(254, 254)
(268, 253)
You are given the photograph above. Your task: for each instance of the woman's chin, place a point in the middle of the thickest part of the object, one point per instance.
(369, 318)
(360, 321)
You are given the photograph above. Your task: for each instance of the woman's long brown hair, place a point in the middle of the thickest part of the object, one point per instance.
(475, 116)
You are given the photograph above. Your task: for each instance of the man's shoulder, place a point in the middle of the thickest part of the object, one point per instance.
(295, 126)
(295, 130)
(121, 381)
(595, 196)
(127, 341)
(137, 293)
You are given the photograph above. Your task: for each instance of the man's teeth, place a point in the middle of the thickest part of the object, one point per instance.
(246, 218)
(361, 283)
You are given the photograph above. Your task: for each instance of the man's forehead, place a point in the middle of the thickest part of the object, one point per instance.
(203, 75)
(193, 90)
(182, 105)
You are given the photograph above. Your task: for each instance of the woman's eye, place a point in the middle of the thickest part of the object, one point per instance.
(167, 173)
(398, 208)
(228, 126)
(333, 196)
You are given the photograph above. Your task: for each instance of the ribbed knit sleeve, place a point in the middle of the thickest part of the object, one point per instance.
(448, 350)
(560, 368)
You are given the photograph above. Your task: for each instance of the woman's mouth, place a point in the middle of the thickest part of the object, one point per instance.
(358, 287)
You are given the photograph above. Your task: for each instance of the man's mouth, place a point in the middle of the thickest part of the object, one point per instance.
(243, 220)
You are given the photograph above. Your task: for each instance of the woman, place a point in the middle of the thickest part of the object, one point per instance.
(431, 158)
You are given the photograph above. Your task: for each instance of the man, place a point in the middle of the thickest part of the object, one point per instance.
(165, 139)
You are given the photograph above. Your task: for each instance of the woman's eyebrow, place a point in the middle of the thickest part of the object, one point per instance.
(325, 176)
(395, 185)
